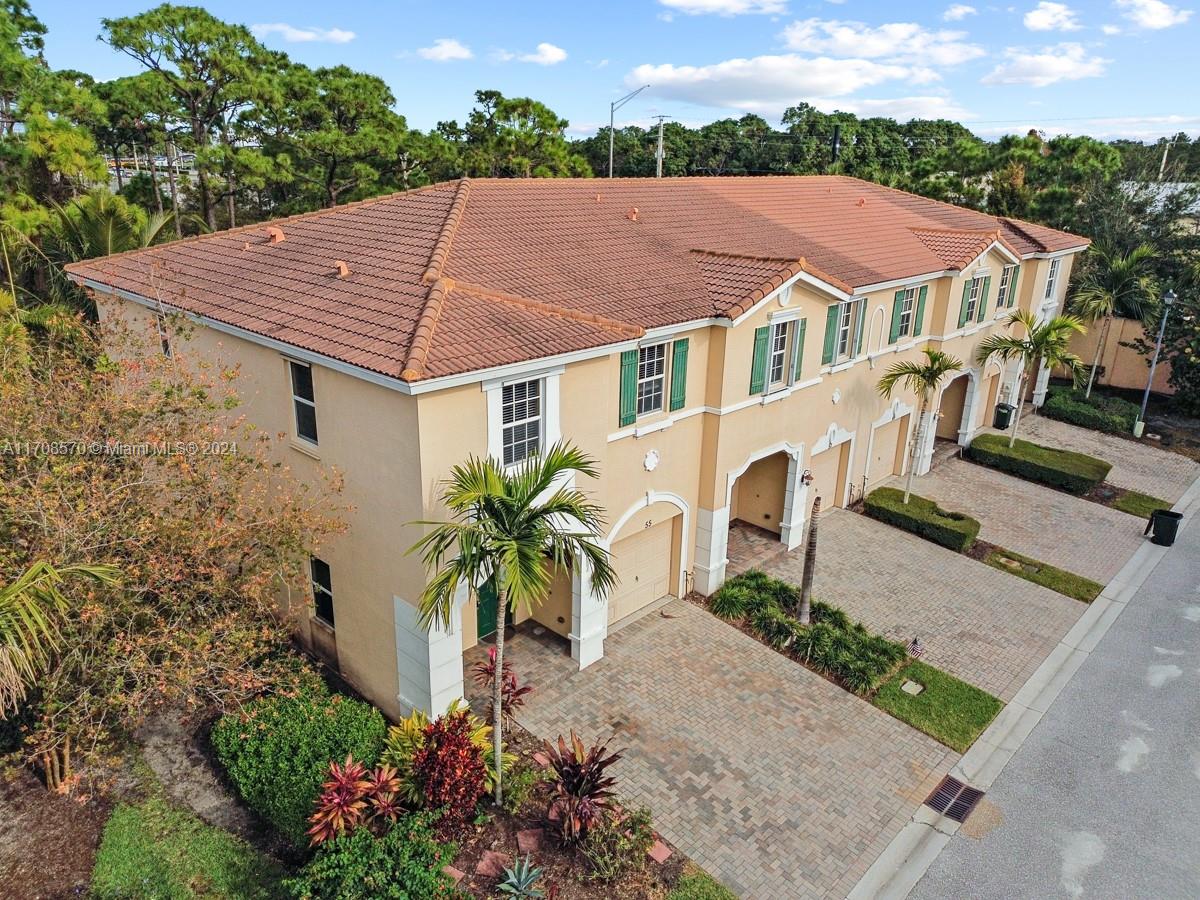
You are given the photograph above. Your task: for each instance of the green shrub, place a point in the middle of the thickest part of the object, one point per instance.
(617, 846)
(923, 518)
(1076, 473)
(1111, 414)
(277, 752)
(750, 593)
(404, 864)
(156, 850)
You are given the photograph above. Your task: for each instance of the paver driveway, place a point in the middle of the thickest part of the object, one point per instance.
(777, 782)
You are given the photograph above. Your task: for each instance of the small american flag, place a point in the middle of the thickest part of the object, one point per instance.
(915, 648)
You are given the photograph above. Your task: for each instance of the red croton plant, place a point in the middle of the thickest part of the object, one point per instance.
(353, 796)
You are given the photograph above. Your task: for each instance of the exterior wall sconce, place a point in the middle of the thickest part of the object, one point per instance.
(806, 477)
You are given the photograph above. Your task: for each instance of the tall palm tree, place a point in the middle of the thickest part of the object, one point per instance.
(1114, 283)
(1044, 342)
(810, 565)
(31, 608)
(922, 378)
(512, 526)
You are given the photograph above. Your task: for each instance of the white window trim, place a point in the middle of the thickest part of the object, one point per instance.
(1052, 271)
(665, 376)
(909, 300)
(494, 401)
(1002, 304)
(540, 418)
(782, 356)
(973, 297)
(296, 435)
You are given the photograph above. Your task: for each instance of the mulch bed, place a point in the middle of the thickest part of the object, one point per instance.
(562, 870)
(48, 841)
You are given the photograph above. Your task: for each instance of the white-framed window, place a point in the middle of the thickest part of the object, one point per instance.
(164, 336)
(322, 588)
(1052, 278)
(651, 378)
(848, 325)
(973, 297)
(777, 358)
(304, 403)
(1003, 298)
(521, 417)
(908, 305)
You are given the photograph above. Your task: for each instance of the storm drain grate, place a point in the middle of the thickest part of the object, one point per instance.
(954, 799)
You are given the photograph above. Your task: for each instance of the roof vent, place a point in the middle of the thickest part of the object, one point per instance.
(862, 201)
(597, 198)
(632, 215)
(245, 245)
(343, 270)
(275, 234)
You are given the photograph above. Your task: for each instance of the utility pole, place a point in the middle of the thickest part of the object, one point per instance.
(1163, 165)
(612, 112)
(658, 154)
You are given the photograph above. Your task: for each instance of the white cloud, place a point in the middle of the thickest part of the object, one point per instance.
(726, 7)
(901, 108)
(1048, 16)
(1110, 30)
(895, 40)
(1144, 128)
(769, 84)
(1039, 68)
(294, 35)
(545, 55)
(445, 50)
(956, 12)
(1153, 14)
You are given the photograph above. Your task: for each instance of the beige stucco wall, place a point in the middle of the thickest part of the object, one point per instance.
(1123, 367)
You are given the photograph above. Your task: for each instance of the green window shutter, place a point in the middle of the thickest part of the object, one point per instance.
(919, 319)
(1011, 299)
(897, 311)
(962, 310)
(987, 284)
(679, 352)
(758, 369)
(798, 352)
(629, 365)
(831, 328)
(862, 321)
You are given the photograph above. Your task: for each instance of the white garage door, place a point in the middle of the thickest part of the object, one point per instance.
(886, 450)
(643, 565)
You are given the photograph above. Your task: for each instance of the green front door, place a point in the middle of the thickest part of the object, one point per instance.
(485, 609)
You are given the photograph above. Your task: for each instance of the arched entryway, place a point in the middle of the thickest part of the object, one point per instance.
(760, 493)
(952, 407)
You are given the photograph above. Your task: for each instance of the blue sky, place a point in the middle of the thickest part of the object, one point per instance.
(1108, 67)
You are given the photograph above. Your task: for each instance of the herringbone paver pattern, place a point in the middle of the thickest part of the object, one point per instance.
(1136, 466)
(985, 626)
(1077, 535)
(777, 782)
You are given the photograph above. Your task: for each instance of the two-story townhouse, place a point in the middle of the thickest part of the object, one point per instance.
(714, 343)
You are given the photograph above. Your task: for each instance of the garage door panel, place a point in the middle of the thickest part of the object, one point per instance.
(885, 451)
(643, 566)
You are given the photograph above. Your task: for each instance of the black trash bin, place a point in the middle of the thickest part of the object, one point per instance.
(1165, 525)
(1002, 417)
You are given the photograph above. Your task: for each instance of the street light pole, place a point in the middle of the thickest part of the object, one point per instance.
(612, 113)
(1168, 300)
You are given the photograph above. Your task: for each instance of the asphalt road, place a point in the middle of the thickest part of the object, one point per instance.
(1103, 799)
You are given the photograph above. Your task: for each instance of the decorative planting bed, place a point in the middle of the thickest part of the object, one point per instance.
(1075, 473)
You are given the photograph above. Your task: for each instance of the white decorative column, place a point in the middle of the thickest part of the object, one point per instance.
(1041, 384)
(795, 504)
(971, 405)
(712, 546)
(589, 617)
(429, 662)
(925, 448)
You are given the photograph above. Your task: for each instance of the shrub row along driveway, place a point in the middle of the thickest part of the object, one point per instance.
(776, 781)
(987, 627)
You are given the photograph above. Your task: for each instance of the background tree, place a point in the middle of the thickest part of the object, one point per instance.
(922, 378)
(513, 137)
(502, 531)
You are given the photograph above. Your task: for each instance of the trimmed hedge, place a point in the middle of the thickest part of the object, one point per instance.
(1076, 473)
(1110, 414)
(277, 752)
(923, 518)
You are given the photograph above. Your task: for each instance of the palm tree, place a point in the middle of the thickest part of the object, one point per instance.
(810, 565)
(922, 378)
(1114, 283)
(507, 525)
(1044, 343)
(30, 611)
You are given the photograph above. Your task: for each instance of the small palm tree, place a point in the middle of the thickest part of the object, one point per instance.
(30, 611)
(922, 378)
(1044, 343)
(1114, 283)
(507, 525)
(810, 565)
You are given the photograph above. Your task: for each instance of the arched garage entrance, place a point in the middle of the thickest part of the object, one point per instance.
(760, 493)
(951, 408)
(645, 555)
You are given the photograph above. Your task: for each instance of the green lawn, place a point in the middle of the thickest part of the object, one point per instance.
(948, 710)
(1067, 583)
(154, 849)
(699, 885)
(1140, 505)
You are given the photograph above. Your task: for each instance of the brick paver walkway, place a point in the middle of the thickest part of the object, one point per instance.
(777, 782)
(985, 626)
(1136, 466)
(1077, 535)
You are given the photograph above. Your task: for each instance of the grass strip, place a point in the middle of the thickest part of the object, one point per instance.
(1066, 583)
(948, 710)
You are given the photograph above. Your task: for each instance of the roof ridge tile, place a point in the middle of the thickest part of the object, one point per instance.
(573, 315)
(418, 348)
(441, 247)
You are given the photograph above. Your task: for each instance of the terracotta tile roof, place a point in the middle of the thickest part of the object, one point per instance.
(468, 275)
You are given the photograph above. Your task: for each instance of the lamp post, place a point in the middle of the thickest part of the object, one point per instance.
(612, 112)
(1168, 300)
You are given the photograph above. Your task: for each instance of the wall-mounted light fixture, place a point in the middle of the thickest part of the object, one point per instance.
(806, 477)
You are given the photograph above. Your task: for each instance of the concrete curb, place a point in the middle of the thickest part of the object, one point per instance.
(910, 854)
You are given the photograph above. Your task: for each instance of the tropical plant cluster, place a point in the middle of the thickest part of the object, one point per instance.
(832, 644)
(1067, 470)
(922, 517)
(1099, 412)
